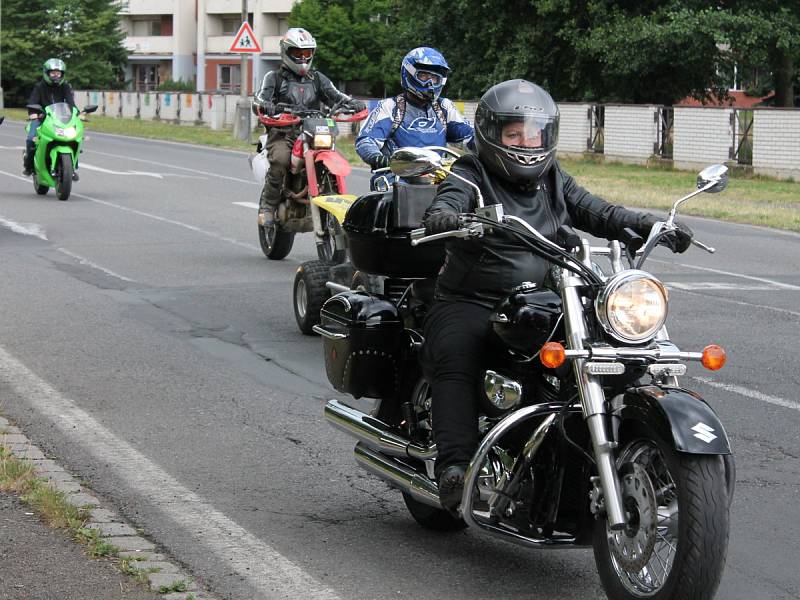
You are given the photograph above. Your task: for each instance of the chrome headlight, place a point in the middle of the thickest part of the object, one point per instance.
(502, 392)
(632, 307)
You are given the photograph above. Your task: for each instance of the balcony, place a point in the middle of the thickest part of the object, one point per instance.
(218, 44)
(148, 7)
(161, 44)
(270, 44)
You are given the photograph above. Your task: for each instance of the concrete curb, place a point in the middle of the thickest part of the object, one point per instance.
(111, 527)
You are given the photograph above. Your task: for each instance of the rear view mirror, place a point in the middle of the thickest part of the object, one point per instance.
(90, 108)
(715, 176)
(411, 162)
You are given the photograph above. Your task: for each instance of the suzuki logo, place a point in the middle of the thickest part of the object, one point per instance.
(704, 432)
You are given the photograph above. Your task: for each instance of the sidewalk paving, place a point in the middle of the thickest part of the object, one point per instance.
(41, 563)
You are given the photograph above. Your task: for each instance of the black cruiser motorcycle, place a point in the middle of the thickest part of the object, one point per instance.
(588, 437)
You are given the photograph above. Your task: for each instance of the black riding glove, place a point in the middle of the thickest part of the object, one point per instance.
(268, 108)
(356, 105)
(379, 161)
(439, 222)
(679, 239)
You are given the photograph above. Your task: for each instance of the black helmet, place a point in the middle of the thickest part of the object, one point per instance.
(516, 130)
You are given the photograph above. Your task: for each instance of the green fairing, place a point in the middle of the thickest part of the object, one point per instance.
(53, 133)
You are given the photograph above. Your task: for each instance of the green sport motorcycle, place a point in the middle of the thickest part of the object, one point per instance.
(58, 142)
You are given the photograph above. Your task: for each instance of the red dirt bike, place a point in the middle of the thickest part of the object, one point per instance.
(313, 196)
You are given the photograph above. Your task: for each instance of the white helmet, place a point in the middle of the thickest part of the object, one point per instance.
(297, 50)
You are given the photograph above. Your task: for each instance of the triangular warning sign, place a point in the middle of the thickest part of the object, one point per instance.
(245, 40)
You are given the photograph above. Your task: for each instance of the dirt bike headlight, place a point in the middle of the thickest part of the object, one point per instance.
(632, 307)
(323, 140)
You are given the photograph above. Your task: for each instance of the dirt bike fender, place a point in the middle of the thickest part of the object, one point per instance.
(336, 163)
(679, 416)
(336, 204)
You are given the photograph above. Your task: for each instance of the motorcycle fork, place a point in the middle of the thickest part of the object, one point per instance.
(593, 402)
(313, 190)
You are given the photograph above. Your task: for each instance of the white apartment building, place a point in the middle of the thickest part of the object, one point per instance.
(165, 39)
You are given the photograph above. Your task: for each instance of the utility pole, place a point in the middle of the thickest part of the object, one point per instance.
(2, 101)
(241, 128)
(201, 45)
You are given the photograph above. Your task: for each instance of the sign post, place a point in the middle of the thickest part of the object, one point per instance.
(245, 43)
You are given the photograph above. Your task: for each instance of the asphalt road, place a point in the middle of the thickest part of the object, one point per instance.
(147, 344)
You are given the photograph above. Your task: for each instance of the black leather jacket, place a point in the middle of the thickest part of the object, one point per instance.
(44, 94)
(310, 91)
(483, 271)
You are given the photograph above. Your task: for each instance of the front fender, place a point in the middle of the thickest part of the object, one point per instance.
(336, 204)
(677, 415)
(336, 163)
(56, 150)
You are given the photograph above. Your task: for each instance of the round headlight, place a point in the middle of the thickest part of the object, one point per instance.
(632, 307)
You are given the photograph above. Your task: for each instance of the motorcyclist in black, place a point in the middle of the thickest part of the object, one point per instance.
(294, 83)
(51, 88)
(516, 133)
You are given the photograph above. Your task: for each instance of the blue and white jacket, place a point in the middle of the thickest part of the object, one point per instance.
(420, 127)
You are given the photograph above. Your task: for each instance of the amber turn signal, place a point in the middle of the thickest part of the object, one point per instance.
(714, 357)
(552, 355)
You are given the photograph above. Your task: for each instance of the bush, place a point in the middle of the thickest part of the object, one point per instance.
(176, 86)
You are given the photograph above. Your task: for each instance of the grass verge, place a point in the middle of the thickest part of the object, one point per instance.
(754, 200)
(18, 477)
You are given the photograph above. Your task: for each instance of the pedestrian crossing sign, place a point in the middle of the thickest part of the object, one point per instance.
(245, 40)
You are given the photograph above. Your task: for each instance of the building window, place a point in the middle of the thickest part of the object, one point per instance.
(152, 25)
(229, 77)
(283, 25)
(231, 23)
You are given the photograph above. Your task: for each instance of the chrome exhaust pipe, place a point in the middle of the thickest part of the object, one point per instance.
(374, 433)
(398, 475)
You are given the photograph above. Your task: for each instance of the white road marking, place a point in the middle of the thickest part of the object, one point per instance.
(748, 393)
(87, 262)
(89, 167)
(779, 284)
(156, 217)
(719, 285)
(12, 147)
(32, 229)
(784, 311)
(247, 204)
(163, 164)
(258, 563)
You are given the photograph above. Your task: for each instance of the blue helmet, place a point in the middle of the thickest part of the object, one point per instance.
(423, 73)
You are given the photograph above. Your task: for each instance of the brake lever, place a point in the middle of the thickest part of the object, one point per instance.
(469, 231)
(702, 246)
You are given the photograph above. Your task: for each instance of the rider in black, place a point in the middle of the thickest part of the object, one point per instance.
(516, 132)
(293, 83)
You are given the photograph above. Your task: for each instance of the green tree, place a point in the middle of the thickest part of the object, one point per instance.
(351, 38)
(86, 35)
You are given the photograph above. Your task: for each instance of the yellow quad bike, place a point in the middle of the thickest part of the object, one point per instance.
(393, 208)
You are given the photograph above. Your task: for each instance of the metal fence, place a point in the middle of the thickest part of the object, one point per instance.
(742, 127)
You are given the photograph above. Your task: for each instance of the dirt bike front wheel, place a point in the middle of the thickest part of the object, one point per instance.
(275, 242)
(676, 542)
(327, 249)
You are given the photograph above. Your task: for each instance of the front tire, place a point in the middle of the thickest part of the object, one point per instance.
(326, 247)
(684, 556)
(309, 293)
(64, 176)
(275, 242)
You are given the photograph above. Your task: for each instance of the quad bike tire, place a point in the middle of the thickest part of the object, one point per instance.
(309, 293)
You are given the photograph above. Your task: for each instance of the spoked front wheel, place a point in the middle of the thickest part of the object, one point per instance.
(675, 545)
(327, 248)
(275, 242)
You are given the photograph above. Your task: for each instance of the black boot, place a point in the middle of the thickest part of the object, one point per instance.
(75, 176)
(451, 487)
(27, 159)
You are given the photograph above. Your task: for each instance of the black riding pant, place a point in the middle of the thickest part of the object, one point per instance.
(458, 344)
